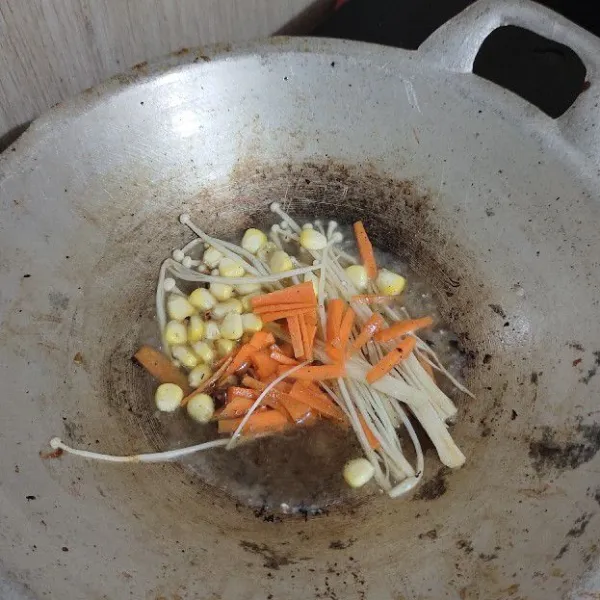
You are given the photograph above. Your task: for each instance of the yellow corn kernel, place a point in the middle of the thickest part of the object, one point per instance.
(231, 327)
(202, 299)
(204, 351)
(221, 291)
(198, 375)
(179, 308)
(195, 329)
(185, 356)
(390, 284)
(251, 323)
(230, 268)
(224, 347)
(357, 274)
(168, 397)
(201, 408)
(175, 333)
(280, 262)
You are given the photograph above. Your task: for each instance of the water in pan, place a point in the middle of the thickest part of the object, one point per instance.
(301, 471)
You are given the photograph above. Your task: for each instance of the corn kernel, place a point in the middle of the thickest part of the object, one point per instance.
(202, 299)
(311, 239)
(179, 308)
(230, 268)
(390, 284)
(253, 240)
(221, 291)
(204, 352)
(168, 397)
(265, 252)
(195, 329)
(280, 262)
(224, 347)
(223, 308)
(212, 331)
(251, 323)
(201, 408)
(247, 302)
(185, 356)
(198, 375)
(358, 471)
(175, 333)
(231, 327)
(357, 274)
(212, 257)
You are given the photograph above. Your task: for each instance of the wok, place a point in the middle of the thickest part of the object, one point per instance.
(491, 201)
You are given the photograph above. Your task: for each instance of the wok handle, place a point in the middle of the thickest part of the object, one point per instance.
(455, 45)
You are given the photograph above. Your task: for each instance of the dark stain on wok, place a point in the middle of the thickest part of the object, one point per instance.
(552, 452)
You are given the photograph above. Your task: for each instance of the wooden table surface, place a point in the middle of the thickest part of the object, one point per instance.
(53, 49)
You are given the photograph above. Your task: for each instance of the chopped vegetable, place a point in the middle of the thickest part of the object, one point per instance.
(403, 328)
(161, 368)
(232, 327)
(269, 421)
(251, 323)
(342, 339)
(269, 317)
(365, 249)
(357, 274)
(195, 330)
(296, 335)
(335, 313)
(202, 299)
(212, 258)
(253, 240)
(312, 395)
(319, 373)
(176, 333)
(179, 308)
(262, 339)
(280, 262)
(168, 397)
(264, 364)
(390, 284)
(204, 351)
(235, 408)
(371, 299)
(221, 291)
(358, 471)
(370, 328)
(284, 307)
(301, 293)
(185, 356)
(201, 408)
(282, 359)
(390, 360)
(224, 347)
(198, 375)
(230, 268)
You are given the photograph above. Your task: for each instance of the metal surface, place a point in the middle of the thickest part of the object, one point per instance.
(494, 202)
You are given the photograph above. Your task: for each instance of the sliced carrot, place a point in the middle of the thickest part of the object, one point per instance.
(282, 358)
(365, 249)
(319, 373)
(402, 328)
(300, 293)
(241, 358)
(371, 299)
(296, 335)
(343, 338)
(262, 339)
(264, 364)
(391, 359)
(262, 422)
(298, 410)
(234, 392)
(268, 308)
(269, 317)
(323, 404)
(311, 329)
(335, 312)
(335, 354)
(304, 334)
(161, 368)
(373, 441)
(370, 328)
(236, 408)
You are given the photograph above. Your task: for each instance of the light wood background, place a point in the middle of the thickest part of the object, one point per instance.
(53, 49)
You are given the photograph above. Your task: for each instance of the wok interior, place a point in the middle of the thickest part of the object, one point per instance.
(467, 198)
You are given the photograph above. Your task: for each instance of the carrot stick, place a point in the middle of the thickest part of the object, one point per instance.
(238, 407)
(390, 360)
(267, 308)
(267, 317)
(264, 364)
(365, 249)
(371, 299)
(303, 292)
(262, 339)
(296, 335)
(370, 328)
(402, 328)
(263, 422)
(319, 373)
(282, 358)
(161, 368)
(304, 334)
(241, 358)
(298, 410)
(373, 441)
(316, 400)
(343, 338)
(311, 329)
(335, 354)
(335, 312)
(234, 392)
